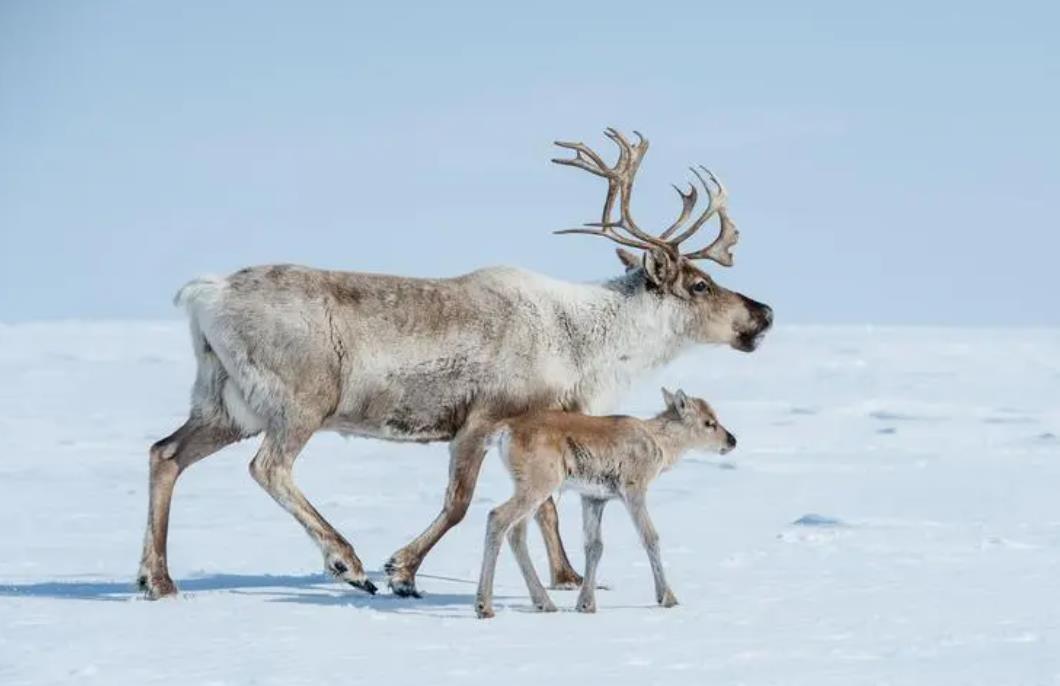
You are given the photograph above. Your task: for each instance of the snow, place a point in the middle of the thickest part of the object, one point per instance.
(890, 517)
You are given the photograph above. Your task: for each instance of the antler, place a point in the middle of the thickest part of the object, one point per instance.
(717, 204)
(620, 183)
(688, 201)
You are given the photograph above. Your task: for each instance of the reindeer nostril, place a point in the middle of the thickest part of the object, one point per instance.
(767, 315)
(731, 440)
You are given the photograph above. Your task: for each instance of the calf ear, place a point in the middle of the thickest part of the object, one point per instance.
(668, 398)
(628, 259)
(681, 402)
(660, 267)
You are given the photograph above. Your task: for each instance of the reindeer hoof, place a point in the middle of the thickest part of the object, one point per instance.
(483, 611)
(404, 589)
(156, 587)
(356, 577)
(566, 580)
(668, 600)
(401, 582)
(545, 607)
(365, 585)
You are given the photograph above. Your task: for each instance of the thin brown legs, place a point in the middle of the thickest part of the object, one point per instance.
(592, 515)
(465, 460)
(561, 571)
(272, 468)
(168, 459)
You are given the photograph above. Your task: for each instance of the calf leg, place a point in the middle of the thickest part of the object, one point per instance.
(465, 460)
(169, 458)
(560, 569)
(517, 540)
(272, 468)
(499, 521)
(592, 514)
(638, 510)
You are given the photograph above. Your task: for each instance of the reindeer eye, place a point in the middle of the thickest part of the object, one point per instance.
(699, 286)
(710, 425)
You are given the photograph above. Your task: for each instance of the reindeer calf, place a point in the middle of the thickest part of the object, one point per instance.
(602, 458)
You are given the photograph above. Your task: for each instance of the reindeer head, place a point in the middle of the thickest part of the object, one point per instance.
(699, 425)
(718, 315)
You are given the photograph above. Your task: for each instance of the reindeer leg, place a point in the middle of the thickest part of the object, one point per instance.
(560, 569)
(517, 540)
(465, 460)
(638, 511)
(169, 458)
(592, 514)
(272, 468)
(499, 522)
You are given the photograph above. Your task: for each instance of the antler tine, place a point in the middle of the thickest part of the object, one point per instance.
(603, 231)
(586, 158)
(616, 135)
(620, 178)
(629, 154)
(594, 163)
(721, 249)
(716, 202)
(688, 201)
(624, 149)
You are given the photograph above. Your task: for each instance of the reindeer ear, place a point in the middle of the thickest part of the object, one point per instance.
(659, 267)
(628, 259)
(680, 402)
(668, 397)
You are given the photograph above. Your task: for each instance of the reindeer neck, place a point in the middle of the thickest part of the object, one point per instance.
(628, 330)
(647, 329)
(671, 436)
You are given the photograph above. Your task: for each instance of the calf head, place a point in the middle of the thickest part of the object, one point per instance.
(697, 422)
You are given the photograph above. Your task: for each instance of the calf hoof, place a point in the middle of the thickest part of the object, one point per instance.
(586, 606)
(566, 580)
(156, 586)
(668, 599)
(484, 611)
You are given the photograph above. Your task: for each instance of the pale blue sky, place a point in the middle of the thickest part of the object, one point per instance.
(888, 162)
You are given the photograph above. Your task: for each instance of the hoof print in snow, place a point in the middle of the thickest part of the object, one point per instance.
(890, 416)
(813, 528)
(818, 520)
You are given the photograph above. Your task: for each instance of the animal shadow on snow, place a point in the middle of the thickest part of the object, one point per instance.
(309, 589)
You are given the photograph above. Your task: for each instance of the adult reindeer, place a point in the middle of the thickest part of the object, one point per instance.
(288, 351)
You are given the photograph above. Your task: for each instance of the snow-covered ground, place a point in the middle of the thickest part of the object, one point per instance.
(890, 517)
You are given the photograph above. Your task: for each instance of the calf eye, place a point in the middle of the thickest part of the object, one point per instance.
(710, 425)
(699, 286)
